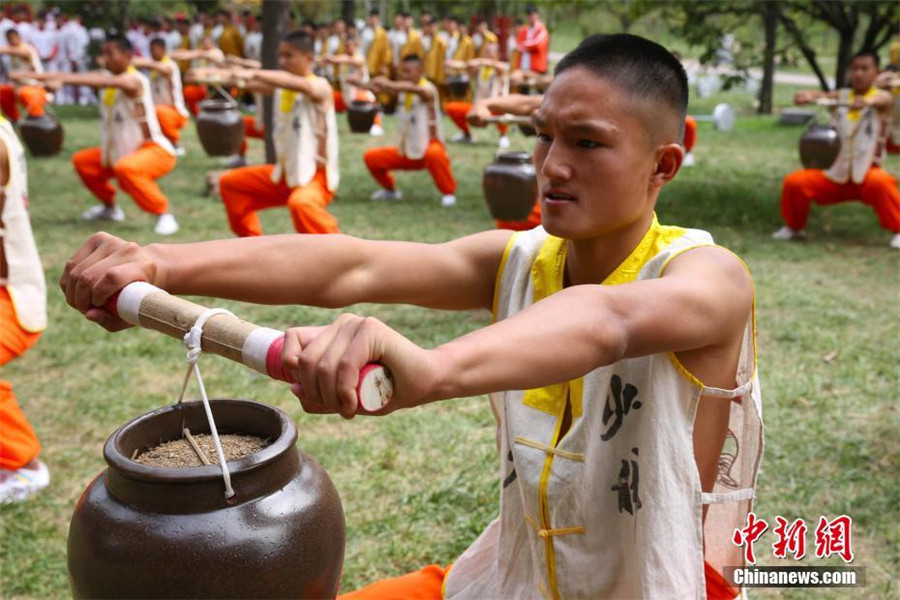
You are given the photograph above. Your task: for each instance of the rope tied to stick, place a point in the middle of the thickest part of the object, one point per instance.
(192, 339)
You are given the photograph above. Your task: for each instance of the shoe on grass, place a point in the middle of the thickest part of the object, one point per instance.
(101, 212)
(786, 233)
(18, 485)
(895, 242)
(379, 195)
(448, 200)
(166, 224)
(688, 160)
(376, 131)
(462, 138)
(503, 142)
(235, 161)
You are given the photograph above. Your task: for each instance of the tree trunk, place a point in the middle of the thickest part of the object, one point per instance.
(348, 11)
(770, 12)
(844, 53)
(274, 27)
(791, 27)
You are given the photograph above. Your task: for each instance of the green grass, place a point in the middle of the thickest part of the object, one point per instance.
(418, 486)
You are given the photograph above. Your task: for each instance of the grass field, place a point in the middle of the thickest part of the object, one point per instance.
(420, 485)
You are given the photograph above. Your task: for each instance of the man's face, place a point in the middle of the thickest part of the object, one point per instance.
(533, 18)
(398, 22)
(593, 157)
(411, 71)
(157, 51)
(340, 27)
(12, 37)
(292, 60)
(409, 22)
(115, 59)
(862, 73)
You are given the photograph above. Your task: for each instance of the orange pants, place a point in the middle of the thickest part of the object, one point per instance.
(382, 160)
(457, 112)
(32, 97)
(534, 219)
(193, 94)
(428, 583)
(18, 442)
(249, 189)
(136, 173)
(690, 133)
(878, 190)
(251, 131)
(171, 122)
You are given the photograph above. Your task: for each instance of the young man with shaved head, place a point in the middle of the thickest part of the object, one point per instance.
(620, 360)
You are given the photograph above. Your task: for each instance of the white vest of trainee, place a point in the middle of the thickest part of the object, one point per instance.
(895, 116)
(614, 509)
(127, 123)
(418, 122)
(32, 64)
(862, 137)
(305, 139)
(21, 272)
(166, 90)
(350, 71)
(491, 84)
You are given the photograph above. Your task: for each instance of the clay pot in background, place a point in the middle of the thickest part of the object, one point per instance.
(361, 115)
(151, 532)
(43, 136)
(220, 127)
(819, 146)
(457, 87)
(510, 186)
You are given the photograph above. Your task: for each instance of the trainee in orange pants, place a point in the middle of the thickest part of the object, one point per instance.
(690, 133)
(19, 444)
(428, 583)
(136, 173)
(193, 94)
(249, 189)
(533, 220)
(457, 112)
(32, 97)
(251, 131)
(381, 161)
(171, 122)
(878, 190)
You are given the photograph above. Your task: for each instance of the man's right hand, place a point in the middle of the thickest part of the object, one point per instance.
(478, 114)
(100, 268)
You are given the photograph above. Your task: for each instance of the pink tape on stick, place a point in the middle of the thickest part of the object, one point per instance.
(150, 307)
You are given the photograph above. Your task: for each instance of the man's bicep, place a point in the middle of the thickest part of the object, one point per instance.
(703, 299)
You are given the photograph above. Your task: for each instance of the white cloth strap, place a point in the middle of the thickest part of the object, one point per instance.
(192, 339)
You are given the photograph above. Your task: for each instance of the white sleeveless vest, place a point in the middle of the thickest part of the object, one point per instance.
(349, 71)
(127, 123)
(32, 64)
(614, 508)
(491, 84)
(167, 91)
(895, 116)
(862, 137)
(24, 275)
(418, 120)
(305, 138)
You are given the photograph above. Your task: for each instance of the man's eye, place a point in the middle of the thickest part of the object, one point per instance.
(589, 144)
(543, 137)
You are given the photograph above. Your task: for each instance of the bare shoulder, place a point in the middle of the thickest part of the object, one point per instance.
(716, 265)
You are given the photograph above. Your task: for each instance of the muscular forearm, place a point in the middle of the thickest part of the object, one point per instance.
(560, 338)
(93, 80)
(514, 104)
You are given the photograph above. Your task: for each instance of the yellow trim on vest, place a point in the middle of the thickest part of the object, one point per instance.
(503, 260)
(288, 97)
(854, 114)
(543, 511)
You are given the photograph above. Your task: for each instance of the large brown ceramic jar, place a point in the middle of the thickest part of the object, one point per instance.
(43, 136)
(510, 186)
(149, 532)
(220, 127)
(361, 115)
(819, 146)
(458, 86)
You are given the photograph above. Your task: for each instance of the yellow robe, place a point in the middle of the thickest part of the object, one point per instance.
(413, 45)
(434, 60)
(379, 55)
(489, 38)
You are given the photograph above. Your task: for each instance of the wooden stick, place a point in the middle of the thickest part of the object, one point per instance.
(509, 119)
(193, 443)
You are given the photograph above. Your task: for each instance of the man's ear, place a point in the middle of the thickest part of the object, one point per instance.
(668, 161)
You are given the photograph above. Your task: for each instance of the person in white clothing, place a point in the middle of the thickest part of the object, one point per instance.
(628, 423)
(133, 149)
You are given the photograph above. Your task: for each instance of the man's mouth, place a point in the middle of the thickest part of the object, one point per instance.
(555, 195)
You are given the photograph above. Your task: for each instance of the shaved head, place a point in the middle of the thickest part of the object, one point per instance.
(643, 70)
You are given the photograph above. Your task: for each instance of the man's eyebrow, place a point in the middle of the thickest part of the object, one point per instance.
(595, 127)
